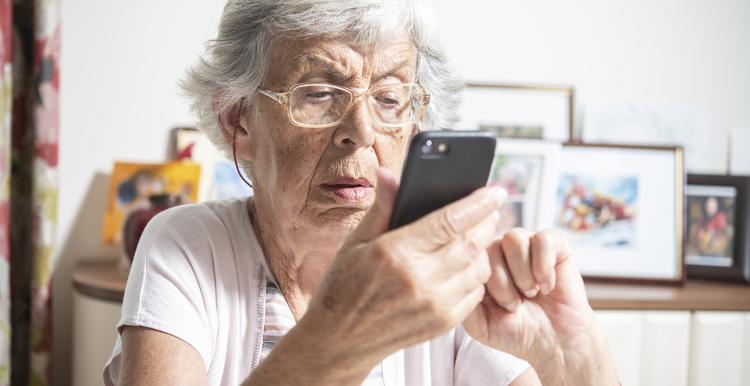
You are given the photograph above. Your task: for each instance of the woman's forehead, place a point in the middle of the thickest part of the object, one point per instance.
(338, 60)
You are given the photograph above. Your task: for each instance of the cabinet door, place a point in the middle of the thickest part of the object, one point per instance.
(720, 352)
(94, 335)
(649, 347)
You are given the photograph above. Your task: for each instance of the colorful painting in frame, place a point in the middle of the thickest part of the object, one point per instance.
(621, 207)
(133, 184)
(718, 215)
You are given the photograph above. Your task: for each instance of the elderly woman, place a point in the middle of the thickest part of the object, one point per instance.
(303, 284)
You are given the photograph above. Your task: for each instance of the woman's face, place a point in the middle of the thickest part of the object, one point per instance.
(323, 179)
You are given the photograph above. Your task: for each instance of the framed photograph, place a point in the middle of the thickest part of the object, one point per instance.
(622, 210)
(527, 169)
(132, 186)
(219, 178)
(519, 111)
(718, 246)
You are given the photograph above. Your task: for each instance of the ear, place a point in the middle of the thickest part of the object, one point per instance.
(234, 127)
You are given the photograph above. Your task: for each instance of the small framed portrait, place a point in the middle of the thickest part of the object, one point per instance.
(219, 178)
(527, 169)
(717, 244)
(519, 111)
(622, 209)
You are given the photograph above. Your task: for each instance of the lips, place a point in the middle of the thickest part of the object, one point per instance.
(349, 188)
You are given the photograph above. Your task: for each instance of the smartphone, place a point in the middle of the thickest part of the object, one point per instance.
(442, 167)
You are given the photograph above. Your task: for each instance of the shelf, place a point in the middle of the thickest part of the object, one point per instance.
(102, 279)
(695, 295)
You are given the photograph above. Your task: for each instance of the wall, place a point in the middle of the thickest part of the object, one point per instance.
(121, 61)
(120, 64)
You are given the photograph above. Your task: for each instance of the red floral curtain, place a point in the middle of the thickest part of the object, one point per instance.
(29, 125)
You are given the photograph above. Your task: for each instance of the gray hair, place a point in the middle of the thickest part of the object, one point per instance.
(235, 63)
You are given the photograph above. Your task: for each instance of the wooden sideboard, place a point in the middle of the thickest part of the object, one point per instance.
(695, 335)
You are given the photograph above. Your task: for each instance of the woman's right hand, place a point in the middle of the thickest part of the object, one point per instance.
(386, 290)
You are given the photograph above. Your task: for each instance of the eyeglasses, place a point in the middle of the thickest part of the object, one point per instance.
(323, 105)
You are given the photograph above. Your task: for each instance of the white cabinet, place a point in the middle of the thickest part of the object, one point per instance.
(649, 347)
(720, 353)
(679, 348)
(94, 335)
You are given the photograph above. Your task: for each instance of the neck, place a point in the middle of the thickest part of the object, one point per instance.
(297, 261)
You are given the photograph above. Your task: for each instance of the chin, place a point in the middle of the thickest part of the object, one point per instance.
(342, 220)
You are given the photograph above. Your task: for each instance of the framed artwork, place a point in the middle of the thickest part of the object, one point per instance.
(718, 246)
(219, 177)
(519, 111)
(527, 169)
(133, 186)
(622, 209)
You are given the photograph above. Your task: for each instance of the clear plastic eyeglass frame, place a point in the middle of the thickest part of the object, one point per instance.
(284, 99)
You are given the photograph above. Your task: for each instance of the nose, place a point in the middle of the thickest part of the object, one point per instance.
(356, 130)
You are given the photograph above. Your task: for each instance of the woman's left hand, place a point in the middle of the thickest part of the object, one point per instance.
(535, 307)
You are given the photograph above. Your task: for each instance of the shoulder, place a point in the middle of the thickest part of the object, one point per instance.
(192, 238)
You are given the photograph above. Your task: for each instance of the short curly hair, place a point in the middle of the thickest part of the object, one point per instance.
(235, 63)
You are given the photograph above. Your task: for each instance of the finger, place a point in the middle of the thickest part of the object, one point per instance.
(516, 247)
(376, 220)
(543, 260)
(500, 285)
(548, 247)
(451, 222)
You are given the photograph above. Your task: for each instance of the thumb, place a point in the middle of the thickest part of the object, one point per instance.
(377, 218)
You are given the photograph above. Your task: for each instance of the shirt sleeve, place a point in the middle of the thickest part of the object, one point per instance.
(477, 364)
(171, 285)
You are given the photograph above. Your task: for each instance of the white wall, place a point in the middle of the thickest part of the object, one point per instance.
(120, 64)
(121, 61)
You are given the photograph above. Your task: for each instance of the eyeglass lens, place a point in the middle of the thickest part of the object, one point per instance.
(324, 104)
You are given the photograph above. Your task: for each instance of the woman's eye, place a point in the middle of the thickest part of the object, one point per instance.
(388, 101)
(319, 96)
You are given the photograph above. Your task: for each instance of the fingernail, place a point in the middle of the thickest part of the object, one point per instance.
(500, 195)
(546, 288)
(496, 215)
(531, 293)
(511, 307)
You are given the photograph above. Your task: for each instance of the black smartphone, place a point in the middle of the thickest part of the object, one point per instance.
(441, 167)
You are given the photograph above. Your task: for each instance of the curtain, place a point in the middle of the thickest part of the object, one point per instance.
(6, 81)
(29, 126)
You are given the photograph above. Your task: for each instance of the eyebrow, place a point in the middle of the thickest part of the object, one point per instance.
(337, 72)
(395, 71)
(329, 67)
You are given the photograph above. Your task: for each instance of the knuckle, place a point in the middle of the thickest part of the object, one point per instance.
(448, 223)
(483, 267)
(472, 246)
(543, 238)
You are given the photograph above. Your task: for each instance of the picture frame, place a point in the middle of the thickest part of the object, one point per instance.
(622, 209)
(717, 240)
(132, 185)
(219, 178)
(519, 110)
(527, 170)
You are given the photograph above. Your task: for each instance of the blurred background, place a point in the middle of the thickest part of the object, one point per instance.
(678, 67)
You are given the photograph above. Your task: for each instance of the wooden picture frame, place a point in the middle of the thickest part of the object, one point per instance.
(525, 111)
(718, 217)
(611, 204)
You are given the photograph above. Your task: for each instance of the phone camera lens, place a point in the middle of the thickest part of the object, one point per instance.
(427, 147)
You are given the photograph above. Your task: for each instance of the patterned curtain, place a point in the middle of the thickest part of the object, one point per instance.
(6, 82)
(29, 124)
